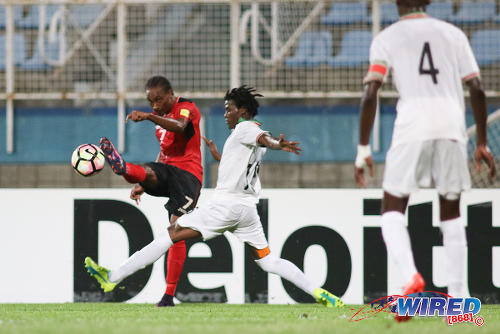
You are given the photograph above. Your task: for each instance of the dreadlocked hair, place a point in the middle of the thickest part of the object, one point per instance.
(244, 97)
(158, 81)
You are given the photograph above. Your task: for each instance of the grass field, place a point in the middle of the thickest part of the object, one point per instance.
(122, 318)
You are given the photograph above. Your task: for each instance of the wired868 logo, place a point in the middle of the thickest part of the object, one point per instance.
(454, 309)
(426, 304)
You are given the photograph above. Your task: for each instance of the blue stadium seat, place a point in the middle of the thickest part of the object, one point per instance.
(497, 18)
(354, 49)
(18, 14)
(474, 12)
(486, 46)
(31, 20)
(346, 13)
(36, 63)
(441, 10)
(19, 50)
(322, 49)
(314, 48)
(84, 15)
(388, 13)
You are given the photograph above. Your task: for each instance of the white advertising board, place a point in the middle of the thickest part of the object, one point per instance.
(38, 244)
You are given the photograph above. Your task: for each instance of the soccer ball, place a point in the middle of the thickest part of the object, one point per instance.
(87, 159)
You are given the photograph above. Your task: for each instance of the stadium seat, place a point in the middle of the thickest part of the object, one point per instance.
(354, 49)
(322, 49)
(388, 13)
(18, 14)
(346, 13)
(19, 50)
(314, 48)
(497, 18)
(84, 15)
(31, 20)
(486, 46)
(474, 12)
(36, 63)
(441, 10)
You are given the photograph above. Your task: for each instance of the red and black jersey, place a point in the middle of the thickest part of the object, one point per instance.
(182, 149)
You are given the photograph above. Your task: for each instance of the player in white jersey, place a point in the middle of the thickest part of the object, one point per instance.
(233, 205)
(429, 60)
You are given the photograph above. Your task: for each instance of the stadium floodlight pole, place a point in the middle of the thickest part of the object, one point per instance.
(375, 30)
(120, 78)
(9, 77)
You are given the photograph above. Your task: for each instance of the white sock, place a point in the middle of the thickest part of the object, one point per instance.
(288, 271)
(397, 242)
(455, 247)
(142, 258)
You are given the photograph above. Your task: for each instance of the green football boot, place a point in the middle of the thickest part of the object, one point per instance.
(326, 298)
(100, 274)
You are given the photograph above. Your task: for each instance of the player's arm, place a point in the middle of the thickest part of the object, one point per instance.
(169, 124)
(279, 143)
(136, 193)
(380, 59)
(478, 101)
(368, 110)
(213, 148)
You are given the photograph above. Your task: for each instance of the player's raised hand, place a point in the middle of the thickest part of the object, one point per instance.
(482, 153)
(289, 146)
(363, 158)
(212, 147)
(210, 143)
(137, 116)
(136, 193)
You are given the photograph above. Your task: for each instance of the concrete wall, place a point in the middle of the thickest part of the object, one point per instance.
(272, 174)
(45, 138)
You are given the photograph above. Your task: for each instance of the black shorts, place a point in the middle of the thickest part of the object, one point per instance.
(181, 187)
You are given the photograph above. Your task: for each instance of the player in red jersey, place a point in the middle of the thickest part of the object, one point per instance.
(177, 174)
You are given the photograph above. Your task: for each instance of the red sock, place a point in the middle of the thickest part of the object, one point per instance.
(175, 263)
(135, 173)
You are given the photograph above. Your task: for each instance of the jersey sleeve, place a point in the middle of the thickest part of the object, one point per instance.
(249, 133)
(187, 111)
(467, 63)
(379, 61)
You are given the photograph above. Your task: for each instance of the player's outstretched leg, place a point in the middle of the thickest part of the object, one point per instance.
(100, 274)
(114, 159)
(326, 298)
(292, 273)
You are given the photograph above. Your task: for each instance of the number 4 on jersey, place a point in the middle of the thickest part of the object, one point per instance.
(432, 71)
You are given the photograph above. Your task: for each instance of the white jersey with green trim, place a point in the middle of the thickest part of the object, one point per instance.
(429, 59)
(239, 165)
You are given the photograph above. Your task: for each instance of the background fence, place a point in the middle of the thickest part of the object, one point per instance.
(75, 52)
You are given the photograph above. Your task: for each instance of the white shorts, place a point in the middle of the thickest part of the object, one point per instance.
(215, 218)
(440, 162)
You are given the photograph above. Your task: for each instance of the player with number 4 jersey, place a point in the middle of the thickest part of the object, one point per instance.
(177, 173)
(429, 60)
